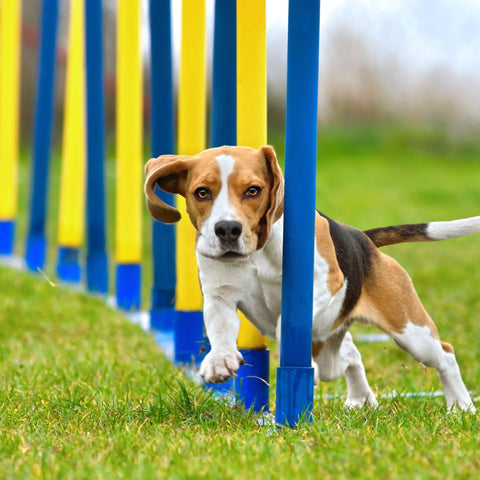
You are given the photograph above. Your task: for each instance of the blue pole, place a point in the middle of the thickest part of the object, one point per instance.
(162, 142)
(97, 267)
(36, 241)
(223, 122)
(224, 77)
(295, 374)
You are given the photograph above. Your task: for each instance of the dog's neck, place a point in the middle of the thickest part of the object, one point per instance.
(273, 247)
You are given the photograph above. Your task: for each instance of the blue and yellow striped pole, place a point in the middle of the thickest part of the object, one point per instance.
(10, 20)
(191, 140)
(295, 374)
(252, 380)
(162, 142)
(72, 186)
(128, 238)
(36, 244)
(97, 263)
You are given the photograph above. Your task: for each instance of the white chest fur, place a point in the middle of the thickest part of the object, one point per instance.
(254, 286)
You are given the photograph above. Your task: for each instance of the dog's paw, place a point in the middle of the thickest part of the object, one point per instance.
(219, 367)
(360, 400)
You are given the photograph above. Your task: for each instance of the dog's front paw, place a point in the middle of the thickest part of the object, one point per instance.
(219, 367)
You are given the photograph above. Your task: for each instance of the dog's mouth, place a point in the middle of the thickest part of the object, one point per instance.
(233, 256)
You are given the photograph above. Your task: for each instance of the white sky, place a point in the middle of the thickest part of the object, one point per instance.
(420, 36)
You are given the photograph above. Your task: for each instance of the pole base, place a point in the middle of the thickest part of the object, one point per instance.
(294, 395)
(128, 286)
(35, 252)
(68, 264)
(251, 383)
(188, 327)
(7, 235)
(97, 272)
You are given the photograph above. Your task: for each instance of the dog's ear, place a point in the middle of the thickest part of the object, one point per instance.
(168, 172)
(275, 206)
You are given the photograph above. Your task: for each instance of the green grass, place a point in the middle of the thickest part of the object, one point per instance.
(85, 394)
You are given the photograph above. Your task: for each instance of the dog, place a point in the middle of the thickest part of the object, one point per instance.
(234, 198)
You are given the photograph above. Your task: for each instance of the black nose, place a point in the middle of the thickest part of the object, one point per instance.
(228, 231)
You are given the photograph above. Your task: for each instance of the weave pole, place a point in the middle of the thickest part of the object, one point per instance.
(72, 184)
(295, 375)
(252, 381)
(36, 243)
(10, 20)
(191, 140)
(97, 265)
(128, 231)
(223, 126)
(162, 142)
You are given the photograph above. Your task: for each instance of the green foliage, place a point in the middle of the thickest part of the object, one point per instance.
(85, 394)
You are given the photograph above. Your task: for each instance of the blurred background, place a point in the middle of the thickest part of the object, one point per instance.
(413, 62)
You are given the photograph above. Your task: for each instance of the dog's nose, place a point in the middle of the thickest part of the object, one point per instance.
(228, 231)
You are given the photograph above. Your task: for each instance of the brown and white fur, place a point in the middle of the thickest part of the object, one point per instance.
(234, 198)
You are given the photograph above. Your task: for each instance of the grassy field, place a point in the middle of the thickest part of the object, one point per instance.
(85, 394)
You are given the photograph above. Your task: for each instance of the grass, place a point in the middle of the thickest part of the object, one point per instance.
(85, 394)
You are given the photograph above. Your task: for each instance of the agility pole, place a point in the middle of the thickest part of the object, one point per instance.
(71, 216)
(10, 21)
(162, 142)
(97, 263)
(251, 383)
(36, 243)
(295, 374)
(129, 174)
(191, 140)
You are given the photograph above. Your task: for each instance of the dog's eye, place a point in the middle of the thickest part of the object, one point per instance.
(202, 193)
(253, 192)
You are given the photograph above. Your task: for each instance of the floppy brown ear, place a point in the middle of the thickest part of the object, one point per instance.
(168, 172)
(275, 206)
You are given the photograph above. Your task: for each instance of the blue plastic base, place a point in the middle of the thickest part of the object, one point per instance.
(189, 346)
(162, 319)
(7, 235)
(97, 272)
(226, 389)
(294, 395)
(128, 286)
(35, 252)
(251, 383)
(68, 264)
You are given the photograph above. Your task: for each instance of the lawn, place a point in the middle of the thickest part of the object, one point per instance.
(86, 394)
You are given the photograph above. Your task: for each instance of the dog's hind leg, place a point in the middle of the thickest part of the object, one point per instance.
(337, 357)
(393, 305)
(423, 343)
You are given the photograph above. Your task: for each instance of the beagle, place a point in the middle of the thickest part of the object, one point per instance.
(234, 198)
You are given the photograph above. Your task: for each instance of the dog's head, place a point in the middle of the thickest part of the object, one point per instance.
(233, 196)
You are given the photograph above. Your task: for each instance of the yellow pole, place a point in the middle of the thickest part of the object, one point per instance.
(72, 186)
(191, 140)
(128, 245)
(251, 106)
(10, 18)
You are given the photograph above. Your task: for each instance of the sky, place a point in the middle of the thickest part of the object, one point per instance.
(428, 32)
(417, 36)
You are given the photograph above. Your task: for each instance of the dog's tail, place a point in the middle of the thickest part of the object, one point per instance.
(423, 232)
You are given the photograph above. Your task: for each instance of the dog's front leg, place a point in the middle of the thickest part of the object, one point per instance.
(222, 324)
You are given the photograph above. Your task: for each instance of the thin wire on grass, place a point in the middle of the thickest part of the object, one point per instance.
(44, 275)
